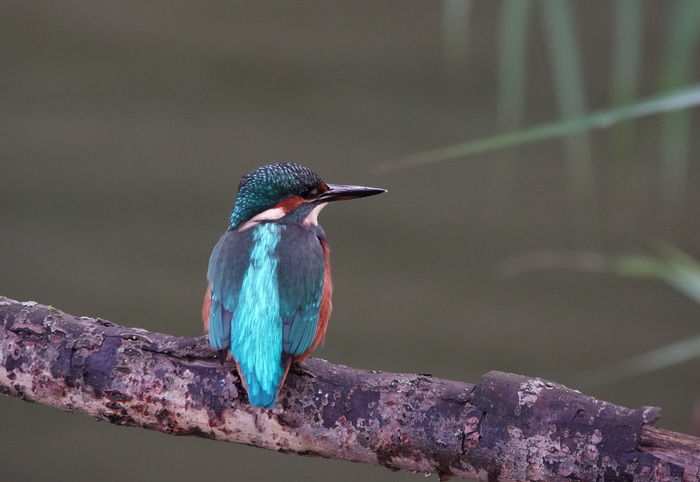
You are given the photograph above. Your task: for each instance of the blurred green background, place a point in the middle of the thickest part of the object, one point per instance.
(125, 128)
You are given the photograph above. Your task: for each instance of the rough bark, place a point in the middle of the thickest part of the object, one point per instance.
(506, 427)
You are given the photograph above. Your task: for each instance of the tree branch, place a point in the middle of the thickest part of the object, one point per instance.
(507, 427)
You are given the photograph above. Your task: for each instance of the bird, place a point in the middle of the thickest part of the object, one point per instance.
(268, 297)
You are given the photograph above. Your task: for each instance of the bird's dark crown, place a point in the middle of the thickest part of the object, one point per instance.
(266, 186)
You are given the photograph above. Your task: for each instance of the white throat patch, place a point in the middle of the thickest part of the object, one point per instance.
(312, 218)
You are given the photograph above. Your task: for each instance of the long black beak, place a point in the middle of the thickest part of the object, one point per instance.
(339, 192)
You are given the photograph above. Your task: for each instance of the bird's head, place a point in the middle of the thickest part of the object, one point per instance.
(290, 192)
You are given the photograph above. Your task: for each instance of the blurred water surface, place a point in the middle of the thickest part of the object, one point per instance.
(125, 128)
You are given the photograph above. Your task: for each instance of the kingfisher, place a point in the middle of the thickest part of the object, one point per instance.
(268, 298)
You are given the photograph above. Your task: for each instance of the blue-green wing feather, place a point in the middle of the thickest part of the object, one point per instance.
(301, 269)
(227, 266)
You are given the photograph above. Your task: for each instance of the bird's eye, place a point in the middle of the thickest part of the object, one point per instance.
(311, 193)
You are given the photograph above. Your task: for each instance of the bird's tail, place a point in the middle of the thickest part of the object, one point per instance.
(262, 390)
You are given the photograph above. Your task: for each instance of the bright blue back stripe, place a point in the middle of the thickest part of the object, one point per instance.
(256, 337)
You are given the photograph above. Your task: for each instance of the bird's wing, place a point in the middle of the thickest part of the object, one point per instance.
(300, 274)
(227, 267)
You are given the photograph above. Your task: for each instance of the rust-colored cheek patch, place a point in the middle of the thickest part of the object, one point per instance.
(289, 204)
